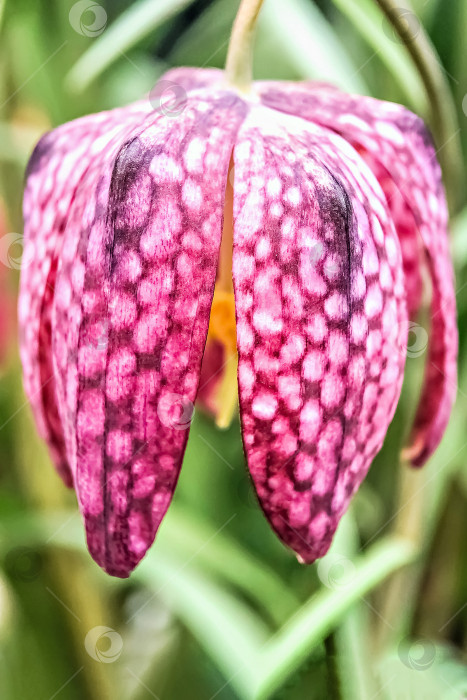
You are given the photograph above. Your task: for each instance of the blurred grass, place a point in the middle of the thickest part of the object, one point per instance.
(217, 583)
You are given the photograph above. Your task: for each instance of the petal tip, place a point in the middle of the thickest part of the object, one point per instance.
(415, 453)
(306, 560)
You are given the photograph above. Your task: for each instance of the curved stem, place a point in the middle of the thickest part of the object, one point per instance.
(239, 62)
(444, 120)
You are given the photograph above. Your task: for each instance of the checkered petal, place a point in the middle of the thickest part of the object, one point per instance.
(321, 321)
(57, 166)
(131, 311)
(338, 205)
(190, 79)
(398, 148)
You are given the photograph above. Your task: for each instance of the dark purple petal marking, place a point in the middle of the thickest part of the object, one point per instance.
(57, 166)
(123, 223)
(320, 309)
(400, 149)
(141, 259)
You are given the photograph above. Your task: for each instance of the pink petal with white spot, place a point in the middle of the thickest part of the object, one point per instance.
(130, 371)
(194, 78)
(57, 166)
(398, 148)
(308, 399)
(123, 219)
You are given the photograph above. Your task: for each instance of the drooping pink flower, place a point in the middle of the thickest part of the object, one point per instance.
(323, 228)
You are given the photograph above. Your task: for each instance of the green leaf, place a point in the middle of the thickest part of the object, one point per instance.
(226, 629)
(34, 71)
(369, 23)
(187, 535)
(421, 669)
(352, 637)
(299, 33)
(459, 239)
(289, 648)
(225, 558)
(131, 27)
(204, 41)
(231, 633)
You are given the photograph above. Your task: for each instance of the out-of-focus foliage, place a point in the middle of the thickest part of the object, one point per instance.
(219, 609)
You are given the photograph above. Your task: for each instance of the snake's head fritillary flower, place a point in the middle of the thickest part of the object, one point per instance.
(286, 230)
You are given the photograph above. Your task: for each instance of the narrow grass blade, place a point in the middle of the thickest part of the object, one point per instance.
(290, 647)
(132, 26)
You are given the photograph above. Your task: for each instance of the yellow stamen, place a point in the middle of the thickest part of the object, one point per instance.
(222, 322)
(227, 394)
(222, 328)
(222, 325)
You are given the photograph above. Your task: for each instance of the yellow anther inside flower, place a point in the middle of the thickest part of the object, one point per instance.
(222, 325)
(222, 329)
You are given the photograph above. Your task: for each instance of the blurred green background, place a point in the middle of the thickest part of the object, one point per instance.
(219, 609)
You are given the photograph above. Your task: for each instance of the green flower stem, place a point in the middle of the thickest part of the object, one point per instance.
(239, 62)
(290, 647)
(443, 117)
